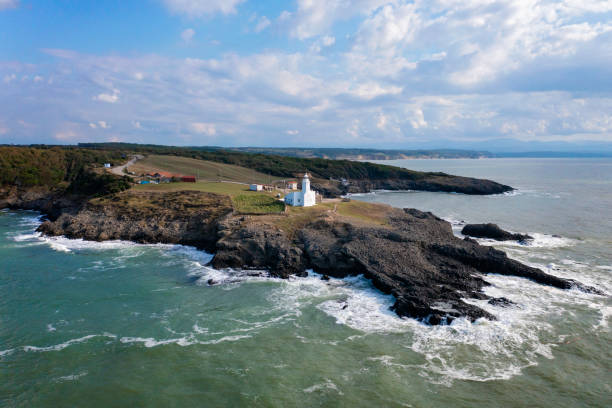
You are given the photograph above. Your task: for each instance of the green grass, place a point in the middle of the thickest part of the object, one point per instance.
(202, 169)
(231, 189)
(257, 204)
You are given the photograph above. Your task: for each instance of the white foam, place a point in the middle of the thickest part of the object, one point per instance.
(33, 237)
(50, 328)
(68, 343)
(72, 377)
(226, 338)
(181, 341)
(151, 342)
(327, 385)
(6, 352)
(606, 313)
(538, 241)
(500, 349)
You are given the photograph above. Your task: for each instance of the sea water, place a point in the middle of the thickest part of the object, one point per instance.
(121, 324)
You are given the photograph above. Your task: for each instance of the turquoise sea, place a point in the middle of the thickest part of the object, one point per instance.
(85, 324)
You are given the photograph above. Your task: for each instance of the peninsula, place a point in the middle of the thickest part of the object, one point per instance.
(410, 254)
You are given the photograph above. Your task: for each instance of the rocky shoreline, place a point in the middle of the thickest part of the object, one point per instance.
(433, 182)
(410, 254)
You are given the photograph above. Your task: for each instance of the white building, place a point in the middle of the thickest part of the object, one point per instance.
(304, 198)
(256, 187)
(107, 165)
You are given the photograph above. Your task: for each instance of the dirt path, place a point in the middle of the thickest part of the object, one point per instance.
(118, 170)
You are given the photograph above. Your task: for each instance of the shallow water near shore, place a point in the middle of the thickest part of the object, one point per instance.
(121, 324)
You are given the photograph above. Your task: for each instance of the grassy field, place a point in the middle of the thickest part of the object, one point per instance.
(257, 204)
(243, 200)
(364, 213)
(202, 169)
(231, 189)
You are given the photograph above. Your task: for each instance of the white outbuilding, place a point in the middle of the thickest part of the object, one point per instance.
(256, 187)
(304, 198)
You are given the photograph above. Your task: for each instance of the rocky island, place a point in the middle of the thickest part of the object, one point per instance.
(410, 254)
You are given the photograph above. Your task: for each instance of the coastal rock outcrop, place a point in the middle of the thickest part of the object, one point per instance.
(493, 231)
(187, 218)
(435, 182)
(410, 254)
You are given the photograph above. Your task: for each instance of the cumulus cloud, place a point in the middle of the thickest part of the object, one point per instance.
(187, 34)
(316, 17)
(403, 72)
(200, 8)
(109, 98)
(204, 128)
(262, 24)
(9, 78)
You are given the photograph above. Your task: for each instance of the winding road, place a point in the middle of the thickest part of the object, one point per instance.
(118, 170)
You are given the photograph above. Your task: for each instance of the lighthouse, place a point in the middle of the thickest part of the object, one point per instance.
(304, 198)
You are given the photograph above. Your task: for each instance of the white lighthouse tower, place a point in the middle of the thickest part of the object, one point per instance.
(304, 198)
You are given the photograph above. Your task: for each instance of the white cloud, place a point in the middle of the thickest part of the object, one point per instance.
(292, 132)
(389, 93)
(371, 90)
(204, 128)
(382, 121)
(38, 78)
(316, 17)
(200, 8)
(109, 98)
(103, 124)
(328, 41)
(93, 125)
(418, 119)
(323, 42)
(262, 24)
(67, 135)
(8, 4)
(136, 124)
(9, 78)
(187, 34)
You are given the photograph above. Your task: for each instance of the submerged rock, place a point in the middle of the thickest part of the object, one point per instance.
(493, 231)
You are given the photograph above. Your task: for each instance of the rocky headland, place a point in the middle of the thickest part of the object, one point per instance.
(410, 254)
(435, 182)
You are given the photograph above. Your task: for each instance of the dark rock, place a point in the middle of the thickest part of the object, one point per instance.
(492, 231)
(324, 278)
(501, 301)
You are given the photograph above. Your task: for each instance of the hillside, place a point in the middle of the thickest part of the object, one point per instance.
(203, 170)
(66, 168)
(361, 176)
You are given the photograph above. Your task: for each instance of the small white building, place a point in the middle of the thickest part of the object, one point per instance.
(292, 185)
(107, 165)
(304, 198)
(256, 187)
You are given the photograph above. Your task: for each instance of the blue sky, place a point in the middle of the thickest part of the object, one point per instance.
(486, 74)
